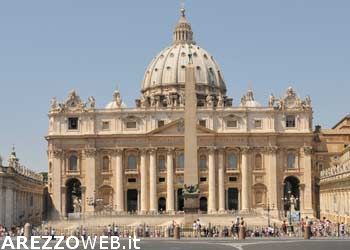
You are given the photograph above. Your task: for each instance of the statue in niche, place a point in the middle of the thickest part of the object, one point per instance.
(182, 99)
(209, 101)
(143, 101)
(220, 101)
(169, 101)
(153, 101)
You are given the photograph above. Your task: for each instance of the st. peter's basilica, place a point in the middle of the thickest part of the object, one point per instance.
(250, 155)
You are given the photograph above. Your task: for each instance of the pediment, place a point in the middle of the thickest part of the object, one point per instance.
(177, 127)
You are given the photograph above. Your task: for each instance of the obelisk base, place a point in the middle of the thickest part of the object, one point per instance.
(191, 205)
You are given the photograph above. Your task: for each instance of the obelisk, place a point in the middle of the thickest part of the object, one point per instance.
(191, 165)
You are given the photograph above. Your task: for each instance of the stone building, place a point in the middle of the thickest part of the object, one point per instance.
(21, 194)
(335, 172)
(131, 159)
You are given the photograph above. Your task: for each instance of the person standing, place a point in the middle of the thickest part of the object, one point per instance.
(342, 229)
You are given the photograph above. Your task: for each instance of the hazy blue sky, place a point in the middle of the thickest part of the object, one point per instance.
(50, 47)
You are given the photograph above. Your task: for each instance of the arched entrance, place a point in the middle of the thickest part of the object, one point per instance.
(180, 200)
(131, 197)
(161, 204)
(232, 199)
(203, 204)
(73, 196)
(291, 193)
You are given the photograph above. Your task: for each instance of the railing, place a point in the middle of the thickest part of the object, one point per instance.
(104, 213)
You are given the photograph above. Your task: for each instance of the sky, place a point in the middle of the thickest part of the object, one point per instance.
(48, 48)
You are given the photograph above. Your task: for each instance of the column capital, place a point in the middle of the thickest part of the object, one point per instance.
(152, 150)
(245, 149)
(271, 149)
(307, 150)
(118, 151)
(90, 152)
(211, 149)
(143, 151)
(57, 153)
(170, 150)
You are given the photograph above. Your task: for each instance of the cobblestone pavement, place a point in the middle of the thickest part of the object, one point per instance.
(224, 244)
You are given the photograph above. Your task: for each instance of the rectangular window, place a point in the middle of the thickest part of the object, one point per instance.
(258, 123)
(290, 121)
(232, 178)
(162, 179)
(203, 123)
(203, 179)
(231, 124)
(105, 125)
(132, 180)
(131, 124)
(160, 123)
(73, 123)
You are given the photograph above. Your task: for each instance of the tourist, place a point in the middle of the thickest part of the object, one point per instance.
(342, 229)
(284, 227)
(53, 233)
(116, 230)
(236, 227)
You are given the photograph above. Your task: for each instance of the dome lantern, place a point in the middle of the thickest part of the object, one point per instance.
(183, 31)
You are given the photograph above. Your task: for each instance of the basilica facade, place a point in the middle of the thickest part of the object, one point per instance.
(131, 159)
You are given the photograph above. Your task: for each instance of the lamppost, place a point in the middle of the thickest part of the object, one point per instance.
(290, 201)
(268, 212)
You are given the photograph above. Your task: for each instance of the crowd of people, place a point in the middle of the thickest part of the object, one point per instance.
(318, 228)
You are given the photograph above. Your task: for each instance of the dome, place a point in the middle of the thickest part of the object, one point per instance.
(248, 100)
(117, 102)
(166, 72)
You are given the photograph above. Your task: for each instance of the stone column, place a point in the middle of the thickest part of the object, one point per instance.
(170, 181)
(64, 201)
(143, 173)
(153, 207)
(2, 200)
(119, 180)
(221, 180)
(212, 177)
(9, 207)
(245, 180)
(308, 181)
(90, 155)
(273, 188)
(57, 180)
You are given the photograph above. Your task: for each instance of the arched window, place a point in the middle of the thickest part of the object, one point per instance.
(73, 163)
(291, 160)
(105, 164)
(258, 161)
(232, 161)
(203, 162)
(161, 163)
(50, 167)
(132, 162)
(180, 161)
